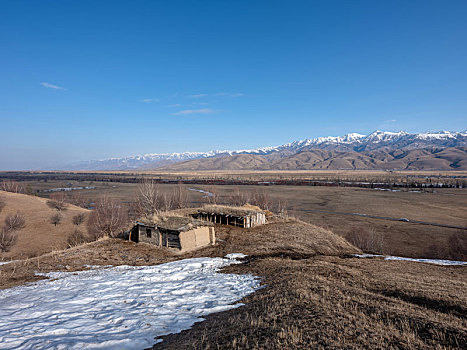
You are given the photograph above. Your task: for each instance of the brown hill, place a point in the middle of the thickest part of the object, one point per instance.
(415, 159)
(39, 236)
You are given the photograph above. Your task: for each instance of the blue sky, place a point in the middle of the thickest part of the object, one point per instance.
(96, 79)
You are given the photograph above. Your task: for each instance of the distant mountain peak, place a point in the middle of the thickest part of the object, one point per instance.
(350, 142)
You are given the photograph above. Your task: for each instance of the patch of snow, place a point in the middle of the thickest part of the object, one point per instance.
(206, 193)
(5, 262)
(429, 261)
(235, 256)
(122, 307)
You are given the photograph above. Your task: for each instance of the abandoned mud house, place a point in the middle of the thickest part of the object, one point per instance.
(246, 216)
(180, 233)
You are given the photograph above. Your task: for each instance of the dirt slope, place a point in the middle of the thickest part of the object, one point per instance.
(39, 236)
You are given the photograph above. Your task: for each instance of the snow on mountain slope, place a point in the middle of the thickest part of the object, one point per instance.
(122, 307)
(350, 142)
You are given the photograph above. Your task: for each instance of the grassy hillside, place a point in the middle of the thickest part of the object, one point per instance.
(315, 295)
(339, 303)
(39, 236)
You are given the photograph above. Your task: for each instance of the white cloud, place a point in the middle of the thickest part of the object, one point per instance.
(175, 105)
(52, 86)
(195, 111)
(229, 94)
(390, 121)
(150, 100)
(200, 103)
(197, 96)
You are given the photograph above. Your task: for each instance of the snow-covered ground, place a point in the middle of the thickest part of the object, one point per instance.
(122, 307)
(5, 262)
(429, 261)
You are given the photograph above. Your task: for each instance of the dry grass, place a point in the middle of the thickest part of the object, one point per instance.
(39, 236)
(313, 297)
(331, 302)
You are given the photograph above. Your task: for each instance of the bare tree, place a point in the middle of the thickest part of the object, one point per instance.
(56, 219)
(167, 201)
(261, 199)
(148, 198)
(58, 201)
(211, 196)
(8, 235)
(180, 197)
(2, 204)
(238, 198)
(78, 219)
(12, 186)
(15, 222)
(8, 238)
(109, 218)
(280, 207)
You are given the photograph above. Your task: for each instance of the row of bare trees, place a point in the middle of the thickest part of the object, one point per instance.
(12, 186)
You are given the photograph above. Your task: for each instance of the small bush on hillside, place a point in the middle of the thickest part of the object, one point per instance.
(8, 239)
(367, 240)
(56, 219)
(57, 201)
(2, 204)
(78, 219)
(14, 222)
(77, 238)
(454, 249)
(457, 246)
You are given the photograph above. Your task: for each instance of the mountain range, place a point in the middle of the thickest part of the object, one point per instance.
(379, 150)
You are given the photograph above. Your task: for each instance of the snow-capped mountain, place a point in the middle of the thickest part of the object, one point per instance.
(355, 142)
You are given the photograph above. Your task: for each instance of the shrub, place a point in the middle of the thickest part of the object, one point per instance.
(57, 201)
(77, 238)
(78, 219)
(2, 204)
(367, 240)
(56, 219)
(14, 222)
(7, 239)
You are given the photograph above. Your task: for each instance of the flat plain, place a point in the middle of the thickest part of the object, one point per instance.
(331, 207)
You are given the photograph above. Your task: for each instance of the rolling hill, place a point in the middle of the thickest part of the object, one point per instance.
(39, 236)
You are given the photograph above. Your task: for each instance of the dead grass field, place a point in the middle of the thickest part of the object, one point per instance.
(443, 206)
(314, 295)
(269, 240)
(338, 303)
(39, 236)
